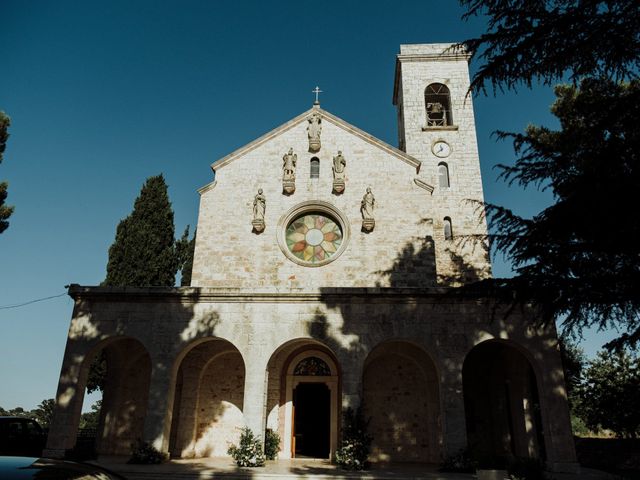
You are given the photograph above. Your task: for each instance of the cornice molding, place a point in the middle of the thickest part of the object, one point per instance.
(285, 295)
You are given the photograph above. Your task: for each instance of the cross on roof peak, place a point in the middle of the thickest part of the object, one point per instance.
(317, 91)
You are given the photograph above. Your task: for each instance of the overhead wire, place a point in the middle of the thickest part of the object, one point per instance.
(17, 305)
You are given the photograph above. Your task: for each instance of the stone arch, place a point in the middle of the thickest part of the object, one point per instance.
(401, 397)
(209, 396)
(125, 392)
(282, 385)
(503, 401)
(437, 98)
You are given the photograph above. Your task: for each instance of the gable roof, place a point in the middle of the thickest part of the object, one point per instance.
(408, 159)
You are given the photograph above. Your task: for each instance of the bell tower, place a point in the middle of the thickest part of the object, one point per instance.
(436, 126)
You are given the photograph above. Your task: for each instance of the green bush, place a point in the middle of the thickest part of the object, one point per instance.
(146, 454)
(578, 426)
(356, 442)
(249, 453)
(271, 444)
(610, 393)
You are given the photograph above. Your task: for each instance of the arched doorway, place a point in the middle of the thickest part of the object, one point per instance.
(302, 399)
(209, 395)
(401, 397)
(123, 372)
(502, 406)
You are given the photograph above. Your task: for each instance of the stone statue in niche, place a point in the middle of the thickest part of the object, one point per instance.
(289, 162)
(313, 129)
(366, 208)
(259, 207)
(339, 165)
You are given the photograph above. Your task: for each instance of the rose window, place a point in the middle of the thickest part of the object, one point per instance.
(313, 237)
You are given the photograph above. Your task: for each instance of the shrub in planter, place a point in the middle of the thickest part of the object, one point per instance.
(146, 454)
(271, 444)
(249, 453)
(356, 442)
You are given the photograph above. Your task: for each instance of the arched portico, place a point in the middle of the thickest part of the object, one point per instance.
(502, 402)
(209, 396)
(401, 397)
(124, 398)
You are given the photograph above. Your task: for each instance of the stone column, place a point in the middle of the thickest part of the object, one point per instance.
(454, 428)
(186, 422)
(558, 437)
(255, 396)
(111, 401)
(157, 422)
(352, 371)
(66, 416)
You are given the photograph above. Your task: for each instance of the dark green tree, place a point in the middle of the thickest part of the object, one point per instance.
(97, 373)
(14, 412)
(611, 394)
(5, 210)
(185, 248)
(90, 419)
(546, 40)
(578, 260)
(144, 251)
(43, 413)
(573, 363)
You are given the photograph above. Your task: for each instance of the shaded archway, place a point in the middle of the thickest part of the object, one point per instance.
(401, 397)
(209, 395)
(125, 393)
(303, 375)
(502, 406)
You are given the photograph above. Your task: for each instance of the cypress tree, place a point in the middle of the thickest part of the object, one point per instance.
(5, 210)
(144, 251)
(185, 249)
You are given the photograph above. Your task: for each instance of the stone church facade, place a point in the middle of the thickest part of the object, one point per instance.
(323, 268)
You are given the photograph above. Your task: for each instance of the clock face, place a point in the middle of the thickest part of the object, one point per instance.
(441, 149)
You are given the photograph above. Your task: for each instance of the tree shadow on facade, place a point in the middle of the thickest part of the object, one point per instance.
(446, 317)
(415, 266)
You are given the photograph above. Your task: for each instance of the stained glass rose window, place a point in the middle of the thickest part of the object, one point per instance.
(313, 237)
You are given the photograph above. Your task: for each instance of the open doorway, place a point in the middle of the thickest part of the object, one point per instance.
(312, 415)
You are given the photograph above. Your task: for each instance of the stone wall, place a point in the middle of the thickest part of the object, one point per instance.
(220, 402)
(397, 251)
(351, 323)
(400, 394)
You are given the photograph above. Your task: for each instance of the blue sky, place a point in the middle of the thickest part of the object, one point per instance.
(103, 95)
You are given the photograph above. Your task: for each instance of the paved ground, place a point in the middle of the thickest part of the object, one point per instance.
(224, 468)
